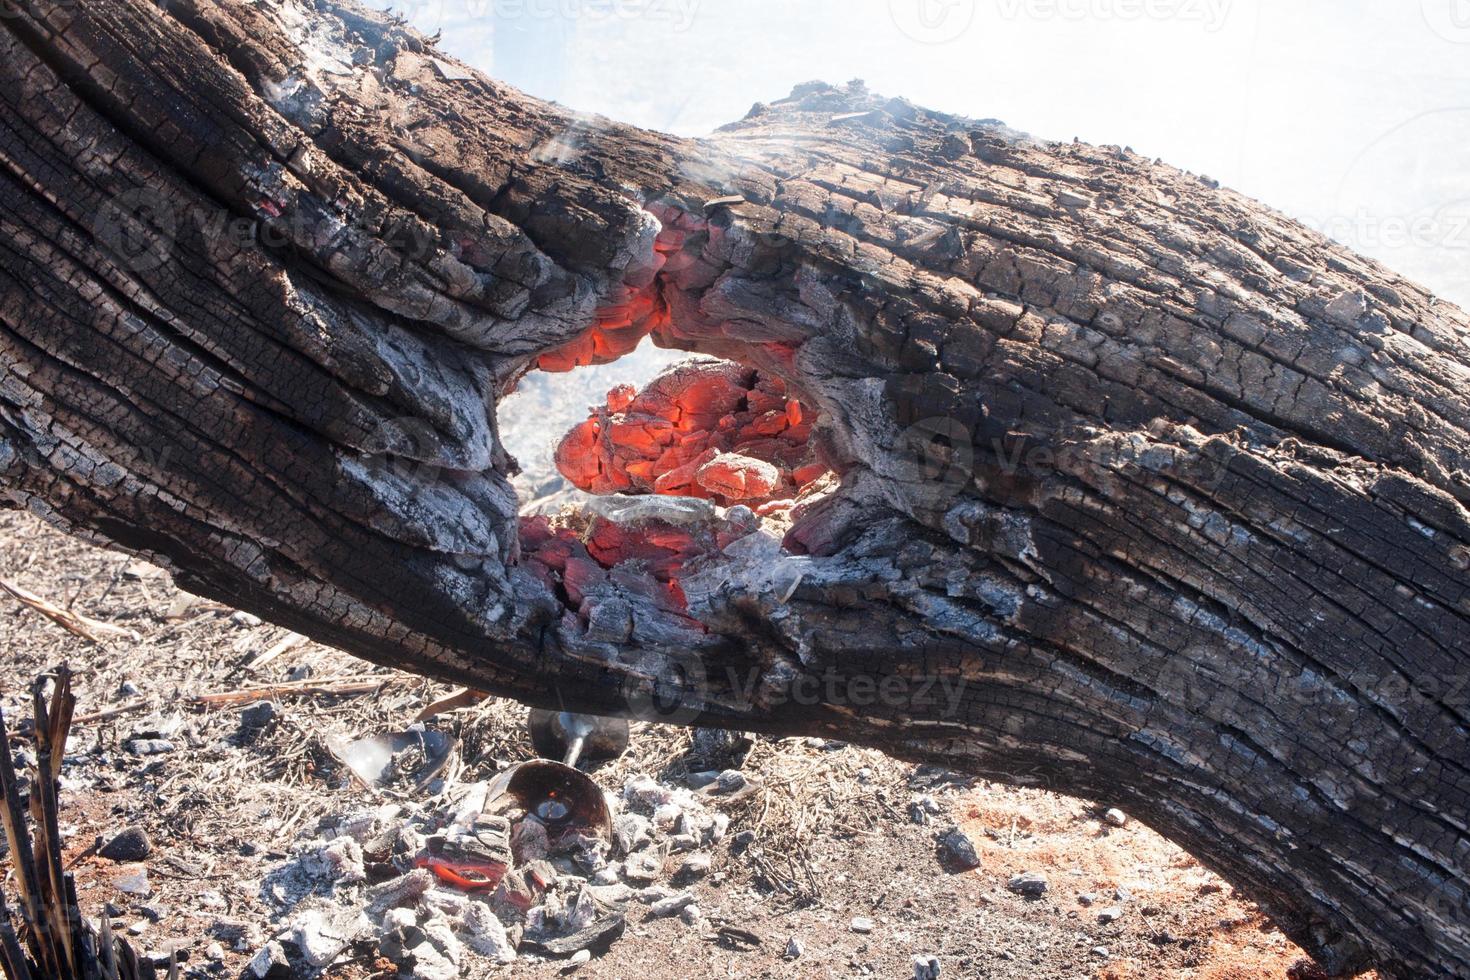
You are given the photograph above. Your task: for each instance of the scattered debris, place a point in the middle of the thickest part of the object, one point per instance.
(93, 630)
(52, 939)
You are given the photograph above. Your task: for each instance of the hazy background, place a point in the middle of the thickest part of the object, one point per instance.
(1352, 115)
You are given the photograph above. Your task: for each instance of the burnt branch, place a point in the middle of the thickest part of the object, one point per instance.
(1125, 483)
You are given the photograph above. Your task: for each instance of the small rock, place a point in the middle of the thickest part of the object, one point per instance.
(127, 689)
(741, 842)
(862, 925)
(1100, 951)
(1110, 914)
(666, 817)
(699, 780)
(214, 952)
(631, 832)
(606, 876)
(132, 844)
(1031, 884)
(794, 948)
(643, 868)
(1122, 894)
(270, 963)
(922, 809)
(245, 620)
(150, 746)
(1116, 817)
(731, 781)
(926, 968)
(672, 905)
(299, 673)
(258, 716)
(133, 882)
(694, 866)
(579, 959)
(1086, 899)
(692, 915)
(958, 849)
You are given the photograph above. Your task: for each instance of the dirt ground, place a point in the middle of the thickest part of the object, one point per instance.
(835, 838)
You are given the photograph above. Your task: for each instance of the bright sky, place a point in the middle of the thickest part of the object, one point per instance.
(1353, 115)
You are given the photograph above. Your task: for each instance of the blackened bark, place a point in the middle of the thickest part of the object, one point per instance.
(1148, 493)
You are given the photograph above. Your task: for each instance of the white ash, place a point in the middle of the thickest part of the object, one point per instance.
(357, 888)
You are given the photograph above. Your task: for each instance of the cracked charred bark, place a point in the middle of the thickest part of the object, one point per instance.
(1147, 494)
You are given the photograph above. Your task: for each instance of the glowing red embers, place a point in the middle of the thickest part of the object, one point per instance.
(646, 560)
(705, 428)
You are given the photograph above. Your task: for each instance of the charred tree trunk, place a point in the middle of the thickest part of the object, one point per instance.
(1146, 492)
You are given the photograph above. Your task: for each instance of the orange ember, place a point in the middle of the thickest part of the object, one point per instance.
(710, 429)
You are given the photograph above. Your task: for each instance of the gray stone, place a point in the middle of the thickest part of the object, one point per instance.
(150, 746)
(1110, 914)
(270, 963)
(134, 882)
(794, 948)
(132, 844)
(1116, 817)
(731, 781)
(643, 868)
(695, 866)
(926, 967)
(862, 924)
(672, 905)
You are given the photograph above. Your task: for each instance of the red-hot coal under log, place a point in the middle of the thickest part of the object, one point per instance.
(710, 429)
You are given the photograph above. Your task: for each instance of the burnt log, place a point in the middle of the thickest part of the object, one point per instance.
(1138, 489)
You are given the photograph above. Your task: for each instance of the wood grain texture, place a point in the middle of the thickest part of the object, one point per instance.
(1149, 494)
